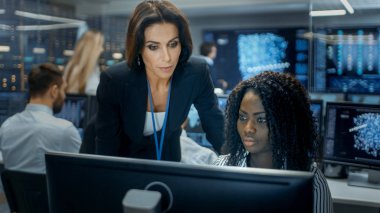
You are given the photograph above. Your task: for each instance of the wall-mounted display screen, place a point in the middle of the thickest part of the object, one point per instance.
(347, 60)
(242, 54)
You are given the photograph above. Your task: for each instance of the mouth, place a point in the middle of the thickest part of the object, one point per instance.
(166, 69)
(249, 141)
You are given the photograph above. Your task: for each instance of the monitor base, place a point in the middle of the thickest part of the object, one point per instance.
(365, 178)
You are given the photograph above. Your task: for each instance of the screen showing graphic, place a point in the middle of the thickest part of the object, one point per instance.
(242, 54)
(347, 60)
(353, 133)
(194, 127)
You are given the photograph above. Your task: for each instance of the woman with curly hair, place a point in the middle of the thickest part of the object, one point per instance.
(269, 124)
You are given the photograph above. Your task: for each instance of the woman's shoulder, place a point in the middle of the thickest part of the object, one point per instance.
(221, 160)
(118, 69)
(196, 63)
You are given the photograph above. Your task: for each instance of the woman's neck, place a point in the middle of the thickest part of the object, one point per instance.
(158, 84)
(261, 160)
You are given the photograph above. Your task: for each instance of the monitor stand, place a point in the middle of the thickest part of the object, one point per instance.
(365, 178)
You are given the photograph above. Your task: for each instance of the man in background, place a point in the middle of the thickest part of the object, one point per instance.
(209, 51)
(27, 136)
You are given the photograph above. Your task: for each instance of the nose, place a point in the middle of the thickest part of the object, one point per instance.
(165, 54)
(250, 128)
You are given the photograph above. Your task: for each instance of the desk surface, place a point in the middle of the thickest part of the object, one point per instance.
(354, 195)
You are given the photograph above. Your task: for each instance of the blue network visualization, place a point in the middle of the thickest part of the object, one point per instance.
(244, 53)
(261, 52)
(367, 137)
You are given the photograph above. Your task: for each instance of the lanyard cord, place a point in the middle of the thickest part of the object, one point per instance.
(159, 149)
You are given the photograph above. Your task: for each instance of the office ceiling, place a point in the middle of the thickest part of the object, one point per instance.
(200, 8)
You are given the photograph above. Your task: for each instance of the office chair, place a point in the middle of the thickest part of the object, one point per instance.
(25, 192)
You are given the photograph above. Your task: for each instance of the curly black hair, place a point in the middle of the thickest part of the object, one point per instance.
(292, 128)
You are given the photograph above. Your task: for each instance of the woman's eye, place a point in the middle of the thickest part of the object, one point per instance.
(173, 44)
(152, 47)
(261, 120)
(242, 117)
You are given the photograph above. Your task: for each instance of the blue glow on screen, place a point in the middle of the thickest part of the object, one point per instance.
(260, 52)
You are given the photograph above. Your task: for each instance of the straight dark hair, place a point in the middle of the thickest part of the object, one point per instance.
(152, 12)
(42, 77)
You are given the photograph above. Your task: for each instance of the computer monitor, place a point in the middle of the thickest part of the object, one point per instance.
(346, 60)
(244, 53)
(93, 183)
(74, 110)
(222, 101)
(11, 103)
(194, 128)
(316, 106)
(352, 136)
(78, 109)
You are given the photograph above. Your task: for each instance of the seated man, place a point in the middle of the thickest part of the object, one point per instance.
(26, 136)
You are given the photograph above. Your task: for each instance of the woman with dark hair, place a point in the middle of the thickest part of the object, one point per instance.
(144, 101)
(269, 124)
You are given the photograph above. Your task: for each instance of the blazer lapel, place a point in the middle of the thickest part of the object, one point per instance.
(135, 105)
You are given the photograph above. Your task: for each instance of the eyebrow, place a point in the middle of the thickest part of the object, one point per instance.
(155, 42)
(256, 113)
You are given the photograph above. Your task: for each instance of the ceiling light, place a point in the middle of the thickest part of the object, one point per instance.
(2, 11)
(46, 17)
(348, 6)
(47, 27)
(328, 13)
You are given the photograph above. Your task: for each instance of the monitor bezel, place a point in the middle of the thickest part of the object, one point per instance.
(321, 122)
(346, 161)
(284, 178)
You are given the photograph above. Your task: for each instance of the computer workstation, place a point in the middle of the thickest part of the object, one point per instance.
(78, 109)
(194, 126)
(91, 183)
(352, 140)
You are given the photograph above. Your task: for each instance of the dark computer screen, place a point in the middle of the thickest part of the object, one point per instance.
(222, 101)
(11, 103)
(243, 53)
(352, 134)
(74, 110)
(194, 127)
(347, 60)
(92, 183)
(316, 107)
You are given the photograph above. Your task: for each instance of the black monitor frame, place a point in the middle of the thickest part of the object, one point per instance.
(93, 183)
(319, 118)
(346, 153)
(332, 158)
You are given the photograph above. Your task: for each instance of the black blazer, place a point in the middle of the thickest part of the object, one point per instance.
(122, 98)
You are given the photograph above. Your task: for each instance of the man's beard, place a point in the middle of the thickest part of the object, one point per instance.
(57, 106)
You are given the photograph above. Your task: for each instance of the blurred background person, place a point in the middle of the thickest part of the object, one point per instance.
(26, 136)
(82, 71)
(209, 51)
